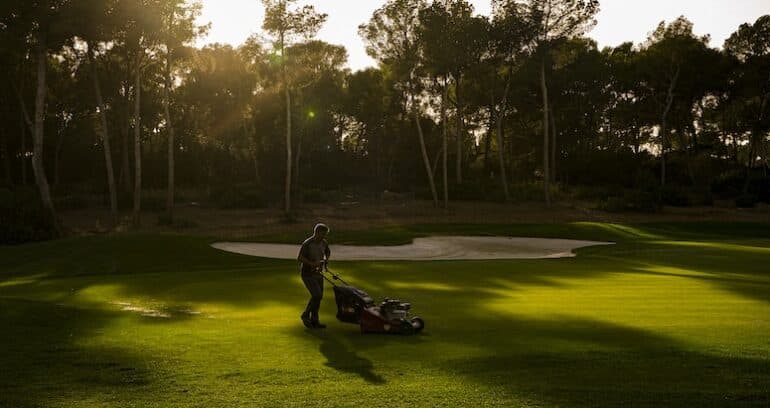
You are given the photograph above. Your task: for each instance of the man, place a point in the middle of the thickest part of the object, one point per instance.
(313, 256)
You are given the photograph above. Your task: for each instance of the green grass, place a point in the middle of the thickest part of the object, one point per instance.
(672, 315)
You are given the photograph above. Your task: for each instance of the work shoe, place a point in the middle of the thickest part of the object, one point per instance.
(318, 325)
(306, 321)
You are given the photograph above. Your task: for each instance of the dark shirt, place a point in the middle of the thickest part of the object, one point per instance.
(314, 251)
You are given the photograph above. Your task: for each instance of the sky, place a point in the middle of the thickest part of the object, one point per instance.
(232, 21)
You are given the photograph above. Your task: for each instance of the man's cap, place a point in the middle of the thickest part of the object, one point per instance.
(321, 225)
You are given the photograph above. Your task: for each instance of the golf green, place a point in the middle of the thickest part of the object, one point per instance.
(672, 315)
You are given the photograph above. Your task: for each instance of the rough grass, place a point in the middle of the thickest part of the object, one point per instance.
(673, 315)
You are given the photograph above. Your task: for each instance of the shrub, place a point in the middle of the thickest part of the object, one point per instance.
(315, 196)
(165, 221)
(729, 183)
(745, 201)
(641, 201)
(23, 218)
(613, 205)
(71, 202)
(236, 197)
(674, 196)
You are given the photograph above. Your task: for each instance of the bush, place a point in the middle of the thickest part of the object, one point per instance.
(315, 196)
(641, 201)
(613, 205)
(674, 196)
(71, 202)
(729, 183)
(237, 197)
(746, 201)
(592, 193)
(470, 190)
(165, 221)
(534, 192)
(632, 200)
(23, 218)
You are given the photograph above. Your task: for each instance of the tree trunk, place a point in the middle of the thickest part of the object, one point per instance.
(501, 139)
(664, 128)
(138, 140)
(487, 139)
(57, 159)
(287, 95)
(554, 134)
(444, 143)
(23, 150)
(26, 124)
(295, 180)
(171, 144)
(105, 134)
(125, 172)
(546, 136)
(37, 158)
(424, 150)
(6, 158)
(256, 167)
(459, 130)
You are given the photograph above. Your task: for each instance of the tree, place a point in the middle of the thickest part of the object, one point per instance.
(453, 41)
(285, 25)
(96, 31)
(142, 29)
(750, 45)
(391, 38)
(511, 34)
(554, 20)
(179, 25)
(367, 101)
(45, 25)
(670, 68)
(434, 25)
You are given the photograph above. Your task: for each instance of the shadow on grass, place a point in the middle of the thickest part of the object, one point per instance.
(563, 361)
(578, 362)
(45, 363)
(342, 357)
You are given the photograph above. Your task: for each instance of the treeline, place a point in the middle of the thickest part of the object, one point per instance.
(110, 99)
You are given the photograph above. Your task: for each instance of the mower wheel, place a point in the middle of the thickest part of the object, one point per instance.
(417, 324)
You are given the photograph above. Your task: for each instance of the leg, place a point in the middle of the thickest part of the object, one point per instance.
(314, 285)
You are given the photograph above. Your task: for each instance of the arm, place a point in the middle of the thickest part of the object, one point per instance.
(327, 253)
(302, 257)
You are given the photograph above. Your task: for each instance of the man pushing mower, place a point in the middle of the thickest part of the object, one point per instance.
(353, 304)
(313, 256)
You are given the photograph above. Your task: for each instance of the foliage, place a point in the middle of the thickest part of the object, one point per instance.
(613, 110)
(23, 218)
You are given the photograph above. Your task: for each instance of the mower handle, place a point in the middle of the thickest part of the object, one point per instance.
(334, 276)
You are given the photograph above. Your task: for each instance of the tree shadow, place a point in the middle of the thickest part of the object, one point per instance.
(581, 362)
(47, 358)
(742, 271)
(560, 361)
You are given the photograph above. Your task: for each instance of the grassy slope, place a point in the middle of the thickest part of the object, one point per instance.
(673, 314)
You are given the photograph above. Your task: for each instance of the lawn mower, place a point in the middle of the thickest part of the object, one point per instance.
(357, 307)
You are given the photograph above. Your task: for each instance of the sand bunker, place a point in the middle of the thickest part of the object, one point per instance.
(428, 249)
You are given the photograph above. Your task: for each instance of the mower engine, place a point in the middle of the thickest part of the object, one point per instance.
(394, 309)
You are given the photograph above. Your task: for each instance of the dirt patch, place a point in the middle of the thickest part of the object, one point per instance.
(162, 312)
(428, 249)
(238, 224)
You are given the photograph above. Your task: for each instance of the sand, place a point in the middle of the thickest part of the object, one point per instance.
(428, 249)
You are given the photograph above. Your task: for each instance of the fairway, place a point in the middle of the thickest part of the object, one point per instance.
(673, 314)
